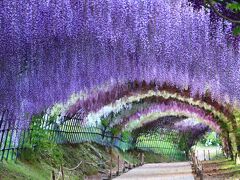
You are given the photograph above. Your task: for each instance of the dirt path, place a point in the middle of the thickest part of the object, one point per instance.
(163, 171)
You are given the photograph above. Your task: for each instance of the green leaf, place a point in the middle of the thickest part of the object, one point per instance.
(104, 122)
(236, 31)
(126, 135)
(115, 131)
(234, 6)
(238, 132)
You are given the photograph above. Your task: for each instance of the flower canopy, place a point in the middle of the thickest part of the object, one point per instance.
(50, 50)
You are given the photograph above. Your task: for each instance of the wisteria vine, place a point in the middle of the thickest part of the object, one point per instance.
(52, 49)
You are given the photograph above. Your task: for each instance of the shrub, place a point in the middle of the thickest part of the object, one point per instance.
(42, 146)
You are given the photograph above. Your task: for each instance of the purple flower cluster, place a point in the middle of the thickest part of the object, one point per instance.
(52, 49)
(173, 109)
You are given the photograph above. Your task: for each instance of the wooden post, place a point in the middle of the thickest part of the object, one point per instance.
(201, 175)
(209, 158)
(118, 172)
(142, 158)
(195, 163)
(236, 158)
(204, 155)
(61, 169)
(111, 164)
(132, 161)
(224, 153)
(53, 175)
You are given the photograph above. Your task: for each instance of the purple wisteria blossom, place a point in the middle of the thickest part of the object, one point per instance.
(172, 109)
(52, 49)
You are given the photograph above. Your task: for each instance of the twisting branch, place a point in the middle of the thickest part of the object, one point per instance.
(210, 2)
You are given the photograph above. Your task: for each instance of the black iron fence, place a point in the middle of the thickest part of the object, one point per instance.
(164, 142)
(12, 137)
(15, 137)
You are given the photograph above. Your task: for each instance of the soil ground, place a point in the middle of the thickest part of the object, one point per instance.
(163, 171)
(220, 170)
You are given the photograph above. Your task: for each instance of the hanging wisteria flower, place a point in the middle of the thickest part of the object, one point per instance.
(52, 49)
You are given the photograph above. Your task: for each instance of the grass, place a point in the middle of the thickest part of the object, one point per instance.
(223, 168)
(41, 168)
(129, 156)
(94, 158)
(165, 148)
(24, 170)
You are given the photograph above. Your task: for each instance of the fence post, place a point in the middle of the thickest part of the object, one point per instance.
(111, 163)
(7, 129)
(236, 158)
(10, 141)
(2, 142)
(118, 172)
(209, 158)
(142, 158)
(201, 173)
(61, 169)
(53, 175)
(133, 161)
(2, 129)
(204, 154)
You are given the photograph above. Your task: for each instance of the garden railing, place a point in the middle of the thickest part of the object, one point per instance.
(15, 138)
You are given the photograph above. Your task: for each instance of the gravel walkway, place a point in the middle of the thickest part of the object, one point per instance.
(161, 171)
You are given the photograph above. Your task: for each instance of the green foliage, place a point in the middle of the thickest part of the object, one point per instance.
(223, 125)
(53, 118)
(165, 145)
(126, 136)
(234, 6)
(236, 31)
(28, 154)
(105, 123)
(211, 139)
(41, 146)
(183, 146)
(115, 131)
(238, 132)
(72, 154)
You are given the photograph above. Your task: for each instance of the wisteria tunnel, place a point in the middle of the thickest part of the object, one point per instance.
(127, 70)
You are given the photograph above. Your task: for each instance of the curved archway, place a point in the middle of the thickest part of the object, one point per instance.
(122, 95)
(170, 136)
(142, 115)
(47, 65)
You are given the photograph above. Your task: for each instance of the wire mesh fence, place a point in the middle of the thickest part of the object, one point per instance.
(14, 138)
